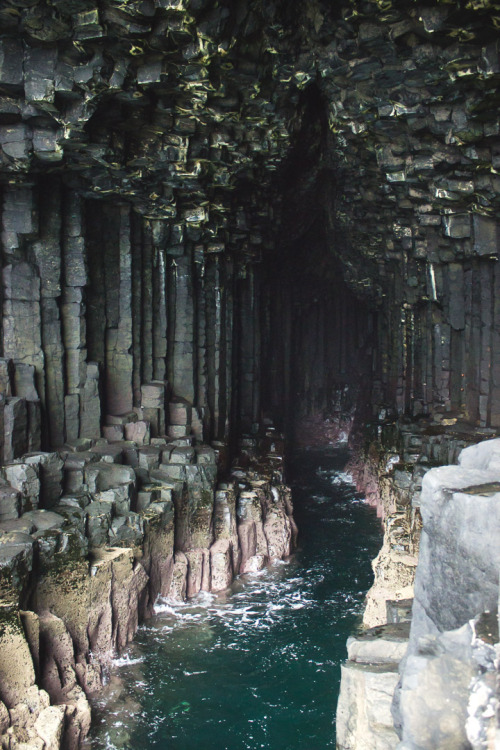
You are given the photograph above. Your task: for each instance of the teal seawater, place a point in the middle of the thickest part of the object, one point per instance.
(258, 667)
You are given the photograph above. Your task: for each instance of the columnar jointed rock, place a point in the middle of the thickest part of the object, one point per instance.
(182, 187)
(451, 641)
(149, 168)
(109, 540)
(368, 680)
(447, 695)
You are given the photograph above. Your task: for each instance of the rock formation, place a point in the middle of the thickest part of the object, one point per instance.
(216, 216)
(127, 522)
(436, 681)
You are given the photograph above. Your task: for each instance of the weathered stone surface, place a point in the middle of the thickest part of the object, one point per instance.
(178, 586)
(10, 503)
(17, 674)
(435, 692)
(49, 726)
(458, 551)
(23, 477)
(127, 530)
(102, 476)
(16, 438)
(90, 404)
(386, 644)
(146, 212)
(50, 468)
(221, 565)
(364, 720)
(138, 432)
(153, 395)
(99, 515)
(16, 561)
(179, 412)
(456, 581)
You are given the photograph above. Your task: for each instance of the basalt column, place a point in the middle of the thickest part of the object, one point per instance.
(317, 350)
(217, 214)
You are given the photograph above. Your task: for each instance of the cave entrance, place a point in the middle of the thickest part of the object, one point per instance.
(306, 334)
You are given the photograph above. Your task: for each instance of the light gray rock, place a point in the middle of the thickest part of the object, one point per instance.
(385, 644)
(24, 381)
(435, 692)
(149, 458)
(24, 478)
(24, 524)
(49, 726)
(456, 580)
(178, 431)
(182, 456)
(102, 476)
(10, 503)
(221, 565)
(44, 519)
(364, 720)
(457, 572)
(51, 475)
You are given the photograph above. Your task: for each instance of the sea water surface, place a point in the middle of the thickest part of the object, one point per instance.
(259, 666)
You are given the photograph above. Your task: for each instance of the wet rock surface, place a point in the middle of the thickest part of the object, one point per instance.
(89, 568)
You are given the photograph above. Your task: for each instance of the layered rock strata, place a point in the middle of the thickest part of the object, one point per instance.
(443, 692)
(97, 531)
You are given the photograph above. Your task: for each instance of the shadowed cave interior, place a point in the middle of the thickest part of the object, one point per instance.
(229, 230)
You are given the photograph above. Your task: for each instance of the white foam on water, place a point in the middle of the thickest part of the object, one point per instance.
(126, 661)
(336, 477)
(190, 674)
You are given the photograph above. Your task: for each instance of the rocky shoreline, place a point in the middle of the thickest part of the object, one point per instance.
(95, 533)
(423, 674)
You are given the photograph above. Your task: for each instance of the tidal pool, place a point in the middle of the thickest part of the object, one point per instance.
(259, 666)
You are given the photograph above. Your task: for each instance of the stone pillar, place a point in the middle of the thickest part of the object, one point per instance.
(47, 252)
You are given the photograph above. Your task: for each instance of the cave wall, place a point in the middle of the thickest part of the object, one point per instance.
(96, 303)
(279, 210)
(315, 377)
(160, 160)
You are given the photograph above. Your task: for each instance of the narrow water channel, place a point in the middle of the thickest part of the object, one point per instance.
(258, 667)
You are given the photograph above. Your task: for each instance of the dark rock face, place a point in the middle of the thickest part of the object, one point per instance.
(153, 154)
(217, 215)
(140, 521)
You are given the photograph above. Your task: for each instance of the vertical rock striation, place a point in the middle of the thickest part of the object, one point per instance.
(120, 523)
(216, 216)
(435, 682)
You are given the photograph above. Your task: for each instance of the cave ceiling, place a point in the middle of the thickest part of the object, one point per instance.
(250, 124)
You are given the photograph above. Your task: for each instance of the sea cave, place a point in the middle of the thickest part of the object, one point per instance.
(249, 340)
